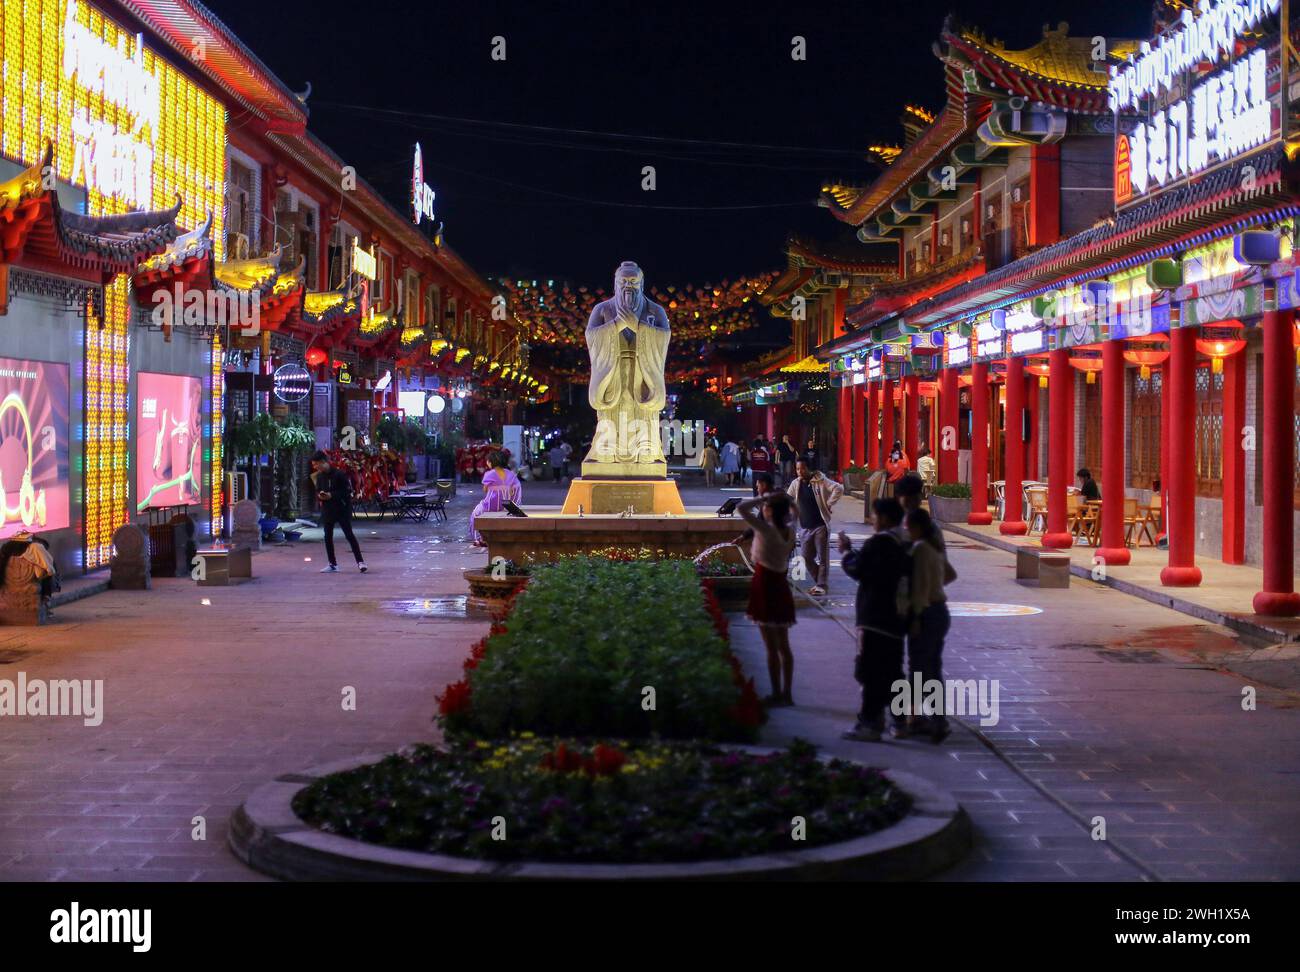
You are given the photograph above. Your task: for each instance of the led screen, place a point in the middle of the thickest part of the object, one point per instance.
(34, 463)
(169, 446)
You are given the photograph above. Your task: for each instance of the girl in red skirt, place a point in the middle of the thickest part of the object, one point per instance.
(771, 605)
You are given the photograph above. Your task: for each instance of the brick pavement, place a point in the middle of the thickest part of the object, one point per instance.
(1107, 707)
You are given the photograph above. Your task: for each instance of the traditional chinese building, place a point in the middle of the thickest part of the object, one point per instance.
(159, 267)
(1144, 332)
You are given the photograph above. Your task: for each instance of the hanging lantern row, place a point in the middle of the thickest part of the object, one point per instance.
(1147, 353)
(1220, 342)
(1087, 360)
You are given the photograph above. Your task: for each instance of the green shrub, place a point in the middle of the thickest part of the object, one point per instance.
(856, 470)
(952, 490)
(584, 640)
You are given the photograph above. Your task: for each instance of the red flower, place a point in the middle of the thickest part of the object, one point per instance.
(605, 761)
(454, 698)
(562, 760)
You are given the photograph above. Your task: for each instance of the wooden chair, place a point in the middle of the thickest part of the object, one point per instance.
(1130, 519)
(1080, 516)
(1148, 522)
(1000, 495)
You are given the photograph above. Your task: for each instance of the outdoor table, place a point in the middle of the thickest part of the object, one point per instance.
(412, 506)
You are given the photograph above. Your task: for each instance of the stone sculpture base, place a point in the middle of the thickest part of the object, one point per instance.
(591, 469)
(645, 496)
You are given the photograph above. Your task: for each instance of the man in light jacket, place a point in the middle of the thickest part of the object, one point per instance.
(814, 496)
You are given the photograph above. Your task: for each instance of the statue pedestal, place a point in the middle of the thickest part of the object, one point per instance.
(616, 495)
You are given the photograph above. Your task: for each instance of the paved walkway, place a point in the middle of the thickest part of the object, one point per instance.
(1108, 708)
(1224, 594)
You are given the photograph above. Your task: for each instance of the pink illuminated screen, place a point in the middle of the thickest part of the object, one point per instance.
(33, 446)
(169, 443)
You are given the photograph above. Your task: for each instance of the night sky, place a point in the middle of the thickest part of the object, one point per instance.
(523, 193)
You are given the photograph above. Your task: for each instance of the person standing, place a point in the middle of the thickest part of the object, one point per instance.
(731, 462)
(928, 622)
(897, 464)
(568, 456)
(814, 495)
(877, 567)
(760, 460)
(811, 454)
(785, 451)
(771, 605)
(556, 457)
(334, 492)
(709, 463)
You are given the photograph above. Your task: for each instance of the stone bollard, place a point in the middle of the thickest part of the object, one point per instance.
(21, 602)
(129, 568)
(245, 531)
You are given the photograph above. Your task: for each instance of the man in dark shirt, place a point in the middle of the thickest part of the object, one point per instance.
(760, 460)
(334, 492)
(785, 451)
(1088, 486)
(811, 455)
(877, 567)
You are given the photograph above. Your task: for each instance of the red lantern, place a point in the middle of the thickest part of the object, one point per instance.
(1087, 360)
(1147, 352)
(1040, 368)
(315, 356)
(1220, 342)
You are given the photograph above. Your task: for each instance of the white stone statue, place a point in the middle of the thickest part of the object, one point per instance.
(627, 338)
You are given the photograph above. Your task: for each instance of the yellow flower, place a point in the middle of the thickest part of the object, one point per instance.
(527, 735)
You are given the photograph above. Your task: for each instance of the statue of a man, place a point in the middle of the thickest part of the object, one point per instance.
(627, 338)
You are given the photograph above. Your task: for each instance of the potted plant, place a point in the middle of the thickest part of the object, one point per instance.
(493, 588)
(251, 441)
(292, 438)
(950, 502)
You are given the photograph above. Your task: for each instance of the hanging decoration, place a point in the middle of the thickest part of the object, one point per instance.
(1219, 342)
(1147, 353)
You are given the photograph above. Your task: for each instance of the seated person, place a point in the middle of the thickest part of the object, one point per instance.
(1088, 487)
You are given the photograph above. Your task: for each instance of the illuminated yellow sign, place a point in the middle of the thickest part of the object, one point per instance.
(363, 262)
(126, 125)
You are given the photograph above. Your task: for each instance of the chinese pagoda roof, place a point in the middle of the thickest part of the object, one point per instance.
(33, 223)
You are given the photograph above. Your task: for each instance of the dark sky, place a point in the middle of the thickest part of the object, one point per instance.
(547, 202)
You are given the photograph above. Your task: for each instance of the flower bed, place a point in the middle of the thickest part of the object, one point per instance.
(606, 648)
(624, 802)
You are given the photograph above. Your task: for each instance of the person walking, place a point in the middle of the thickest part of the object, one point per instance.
(334, 492)
(877, 567)
(744, 461)
(771, 605)
(928, 623)
(785, 452)
(814, 495)
(731, 462)
(709, 463)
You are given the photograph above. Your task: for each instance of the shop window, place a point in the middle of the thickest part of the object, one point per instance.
(966, 227)
(1209, 432)
(1144, 427)
(383, 266)
(945, 244)
(1020, 218)
(432, 306)
(411, 299)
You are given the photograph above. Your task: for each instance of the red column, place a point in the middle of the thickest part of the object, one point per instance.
(887, 424)
(949, 413)
(1013, 519)
(979, 446)
(911, 417)
(1060, 445)
(1279, 596)
(1044, 194)
(1180, 518)
(1031, 403)
(872, 427)
(1234, 459)
(859, 423)
(1165, 411)
(1113, 552)
(845, 437)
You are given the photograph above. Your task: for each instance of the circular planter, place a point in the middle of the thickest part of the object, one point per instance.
(268, 836)
(732, 592)
(493, 594)
(855, 482)
(950, 509)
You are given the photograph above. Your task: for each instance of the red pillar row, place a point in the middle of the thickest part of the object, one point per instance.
(911, 417)
(1113, 551)
(872, 427)
(979, 445)
(845, 437)
(1234, 459)
(1060, 443)
(887, 425)
(949, 412)
(859, 424)
(1013, 517)
(1180, 518)
(1279, 596)
(1032, 473)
